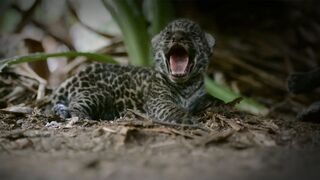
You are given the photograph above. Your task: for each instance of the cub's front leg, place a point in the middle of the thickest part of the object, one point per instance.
(161, 105)
(168, 111)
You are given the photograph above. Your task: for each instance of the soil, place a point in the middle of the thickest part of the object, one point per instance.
(226, 145)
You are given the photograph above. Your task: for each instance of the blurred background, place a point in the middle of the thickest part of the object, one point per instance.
(258, 43)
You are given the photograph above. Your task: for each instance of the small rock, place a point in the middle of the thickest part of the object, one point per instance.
(53, 124)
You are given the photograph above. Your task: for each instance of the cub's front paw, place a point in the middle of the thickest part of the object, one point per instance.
(61, 110)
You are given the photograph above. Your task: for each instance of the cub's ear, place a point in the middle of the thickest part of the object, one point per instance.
(155, 41)
(211, 41)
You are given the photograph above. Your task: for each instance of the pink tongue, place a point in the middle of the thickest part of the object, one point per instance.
(178, 64)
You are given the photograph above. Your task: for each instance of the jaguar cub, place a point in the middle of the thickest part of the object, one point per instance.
(172, 91)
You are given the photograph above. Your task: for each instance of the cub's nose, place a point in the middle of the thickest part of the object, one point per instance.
(178, 36)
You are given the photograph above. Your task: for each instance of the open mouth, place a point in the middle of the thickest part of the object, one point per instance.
(179, 61)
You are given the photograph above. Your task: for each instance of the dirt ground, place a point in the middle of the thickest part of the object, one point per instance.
(226, 145)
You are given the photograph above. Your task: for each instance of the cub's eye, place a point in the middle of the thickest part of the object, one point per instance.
(195, 36)
(198, 38)
(167, 33)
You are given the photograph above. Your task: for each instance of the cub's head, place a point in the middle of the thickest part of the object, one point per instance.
(182, 50)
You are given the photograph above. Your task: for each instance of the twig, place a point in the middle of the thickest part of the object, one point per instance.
(269, 78)
(47, 30)
(26, 16)
(13, 112)
(194, 126)
(71, 65)
(51, 33)
(42, 82)
(170, 130)
(108, 130)
(215, 137)
(109, 48)
(75, 14)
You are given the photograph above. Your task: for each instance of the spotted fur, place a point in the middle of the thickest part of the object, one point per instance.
(103, 91)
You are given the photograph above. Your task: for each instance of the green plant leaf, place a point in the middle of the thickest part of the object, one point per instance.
(225, 94)
(134, 29)
(44, 56)
(159, 13)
